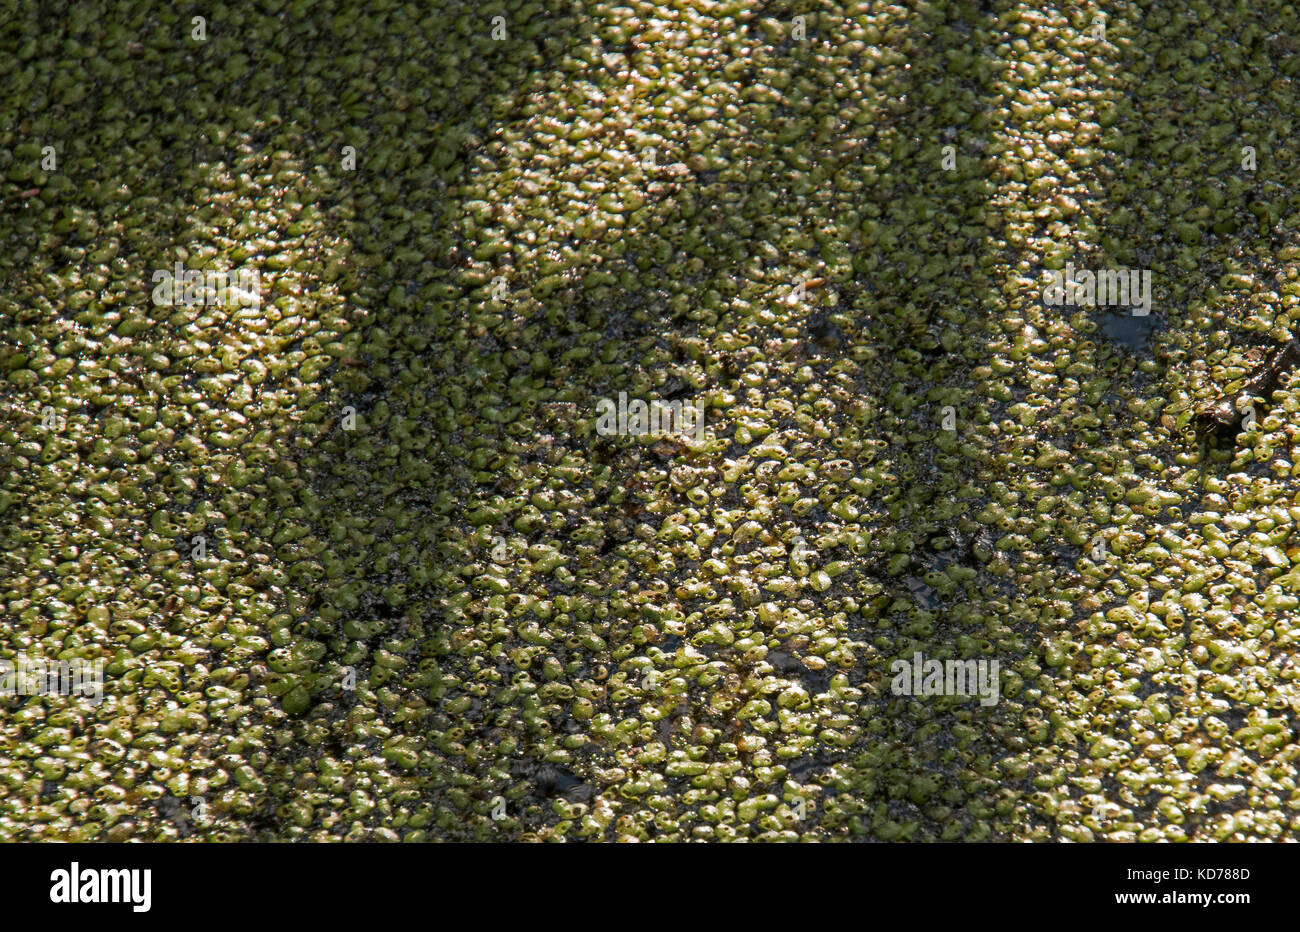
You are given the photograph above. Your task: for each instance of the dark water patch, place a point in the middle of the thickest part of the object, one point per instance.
(815, 682)
(1128, 330)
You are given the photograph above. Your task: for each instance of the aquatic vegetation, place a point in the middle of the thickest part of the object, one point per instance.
(361, 563)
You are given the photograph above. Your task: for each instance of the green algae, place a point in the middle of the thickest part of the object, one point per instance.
(679, 641)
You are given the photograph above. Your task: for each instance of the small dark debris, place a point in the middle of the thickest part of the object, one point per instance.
(553, 781)
(922, 593)
(674, 389)
(782, 662)
(175, 811)
(825, 334)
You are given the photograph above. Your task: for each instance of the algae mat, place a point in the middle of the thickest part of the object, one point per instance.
(353, 557)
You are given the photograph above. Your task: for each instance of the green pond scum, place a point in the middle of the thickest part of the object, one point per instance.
(328, 527)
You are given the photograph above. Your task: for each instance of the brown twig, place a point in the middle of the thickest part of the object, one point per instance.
(1225, 417)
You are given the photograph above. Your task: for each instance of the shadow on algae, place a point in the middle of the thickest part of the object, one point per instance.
(473, 411)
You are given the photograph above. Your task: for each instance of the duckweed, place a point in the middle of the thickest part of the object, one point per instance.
(280, 523)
